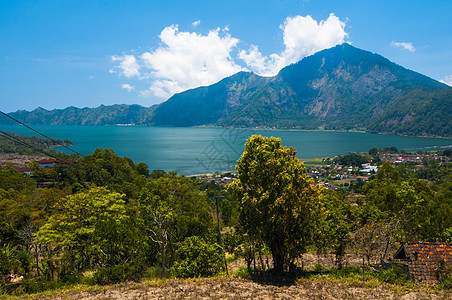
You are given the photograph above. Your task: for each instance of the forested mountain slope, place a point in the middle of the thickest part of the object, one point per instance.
(342, 88)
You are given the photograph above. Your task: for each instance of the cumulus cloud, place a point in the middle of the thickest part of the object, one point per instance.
(128, 87)
(187, 60)
(405, 45)
(302, 36)
(447, 80)
(128, 65)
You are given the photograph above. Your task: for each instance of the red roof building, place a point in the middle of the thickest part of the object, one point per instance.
(424, 260)
(25, 170)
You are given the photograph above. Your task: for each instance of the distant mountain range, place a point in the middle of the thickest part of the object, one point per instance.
(342, 88)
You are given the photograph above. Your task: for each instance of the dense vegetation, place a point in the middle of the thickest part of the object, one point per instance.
(14, 143)
(342, 88)
(102, 115)
(106, 219)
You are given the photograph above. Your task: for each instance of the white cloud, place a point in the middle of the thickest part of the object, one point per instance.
(128, 87)
(196, 23)
(303, 36)
(447, 80)
(128, 65)
(188, 60)
(405, 45)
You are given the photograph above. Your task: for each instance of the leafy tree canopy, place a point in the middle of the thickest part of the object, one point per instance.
(277, 203)
(72, 227)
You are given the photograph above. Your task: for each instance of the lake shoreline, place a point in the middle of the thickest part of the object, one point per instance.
(258, 128)
(313, 130)
(201, 150)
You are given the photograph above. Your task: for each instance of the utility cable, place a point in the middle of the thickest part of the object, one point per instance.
(12, 138)
(55, 141)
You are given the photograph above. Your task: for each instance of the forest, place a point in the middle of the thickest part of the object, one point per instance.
(101, 219)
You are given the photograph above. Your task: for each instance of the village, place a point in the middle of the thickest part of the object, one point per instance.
(328, 173)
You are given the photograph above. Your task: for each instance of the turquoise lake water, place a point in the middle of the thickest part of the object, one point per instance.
(196, 150)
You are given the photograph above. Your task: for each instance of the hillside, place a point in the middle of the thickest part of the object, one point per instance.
(102, 115)
(342, 88)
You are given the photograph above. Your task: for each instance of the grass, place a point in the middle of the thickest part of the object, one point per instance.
(348, 282)
(315, 162)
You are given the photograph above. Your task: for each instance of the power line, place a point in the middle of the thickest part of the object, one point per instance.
(55, 141)
(12, 138)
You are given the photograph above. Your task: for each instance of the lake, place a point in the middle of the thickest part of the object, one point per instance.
(197, 150)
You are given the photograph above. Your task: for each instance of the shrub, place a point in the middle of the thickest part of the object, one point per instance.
(395, 275)
(243, 272)
(8, 260)
(36, 285)
(108, 275)
(319, 267)
(118, 273)
(25, 259)
(444, 276)
(196, 258)
(348, 271)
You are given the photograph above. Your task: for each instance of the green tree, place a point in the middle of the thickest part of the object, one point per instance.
(196, 257)
(70, 231)
(277, 203)
(352, 159)
(10, 179)
(436, 222)
(118, 243)
(397, 201)
(105, 168)
(336, 224)
(173, 208)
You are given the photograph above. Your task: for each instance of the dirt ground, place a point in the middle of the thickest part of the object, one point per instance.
(18, 160)
(233, 287)
(237, 288)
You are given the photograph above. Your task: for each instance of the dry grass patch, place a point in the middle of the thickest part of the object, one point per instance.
(222, 287)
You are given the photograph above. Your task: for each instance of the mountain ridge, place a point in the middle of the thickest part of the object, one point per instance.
(341, 88)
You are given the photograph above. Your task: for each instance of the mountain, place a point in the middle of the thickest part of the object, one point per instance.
(342, 88)
(102, 115)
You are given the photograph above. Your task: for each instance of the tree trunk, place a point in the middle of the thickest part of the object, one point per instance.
(163, 259)
(278, 261)
(37, 258)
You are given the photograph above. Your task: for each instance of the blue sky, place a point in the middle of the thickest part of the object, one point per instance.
(56, 54)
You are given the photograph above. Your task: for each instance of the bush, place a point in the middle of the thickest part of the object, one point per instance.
(25, 259)
(36, 285)
(243, 272)
(445, 283)
(119, 273)
(71, 278)
(108, 275)
(8, 260)
(347, 271)
(395, 275)
(232, 242)
(319, 267)
(444, 276)
(196, 258)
